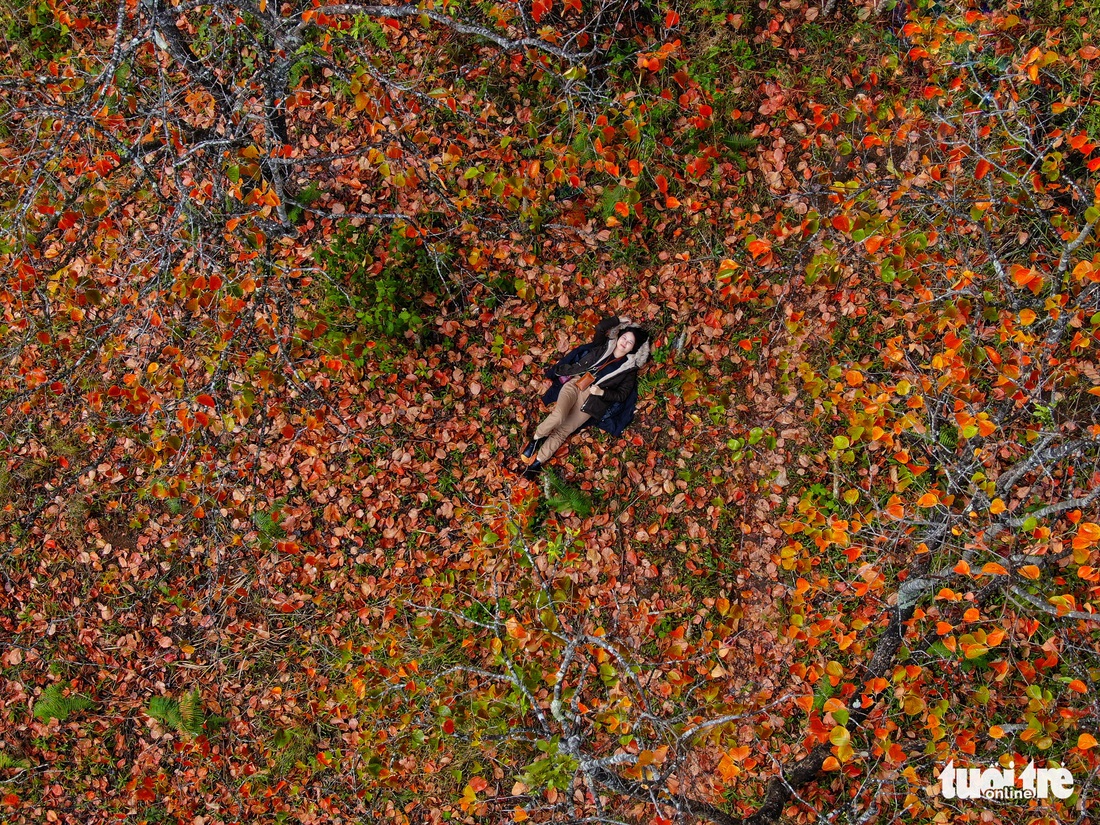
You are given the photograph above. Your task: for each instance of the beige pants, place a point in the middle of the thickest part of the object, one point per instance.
(564, 420)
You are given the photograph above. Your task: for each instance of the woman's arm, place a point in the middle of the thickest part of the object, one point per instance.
(562, 366)
(620, 388)
(603, 327)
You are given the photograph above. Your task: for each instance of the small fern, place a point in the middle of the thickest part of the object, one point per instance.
(740, 143)
(52, 705)
(265, 521)
(563, 498)
(7, 761)
(266, 525)
(183, 716)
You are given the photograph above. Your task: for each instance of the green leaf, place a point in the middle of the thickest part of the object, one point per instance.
(166, 710)
(185, 716)
(52, 705)
(8, 761)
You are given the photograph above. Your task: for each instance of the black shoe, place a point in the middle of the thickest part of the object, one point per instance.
(533, 470)
(532, 447)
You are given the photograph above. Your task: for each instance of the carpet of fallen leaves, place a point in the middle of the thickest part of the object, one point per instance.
(126, 599)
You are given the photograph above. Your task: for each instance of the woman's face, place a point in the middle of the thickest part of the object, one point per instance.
(624, 345)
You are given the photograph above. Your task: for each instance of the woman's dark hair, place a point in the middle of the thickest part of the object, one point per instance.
(640, 336)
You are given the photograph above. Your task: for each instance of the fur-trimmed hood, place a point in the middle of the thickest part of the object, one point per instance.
(640, 355)
(635, 360)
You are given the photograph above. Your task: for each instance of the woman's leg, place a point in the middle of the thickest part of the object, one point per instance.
(572, 421)
(567, 399)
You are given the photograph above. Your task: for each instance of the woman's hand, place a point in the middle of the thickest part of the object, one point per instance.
(596, 390)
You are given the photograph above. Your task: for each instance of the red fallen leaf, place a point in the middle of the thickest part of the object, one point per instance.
(759, 247)
(11, 799)
(206, 400)
(662, 184)
(672, 18)
(288, 431)
(873, 243)
(841, 223)
(478, 784)
(983, 168)
(449, 726)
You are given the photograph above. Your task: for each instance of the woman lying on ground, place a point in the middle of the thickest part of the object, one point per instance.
(594, 383)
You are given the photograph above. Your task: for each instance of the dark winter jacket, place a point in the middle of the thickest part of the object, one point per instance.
(614, 410)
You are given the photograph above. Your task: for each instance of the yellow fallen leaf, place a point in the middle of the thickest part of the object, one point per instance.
(974, 651)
